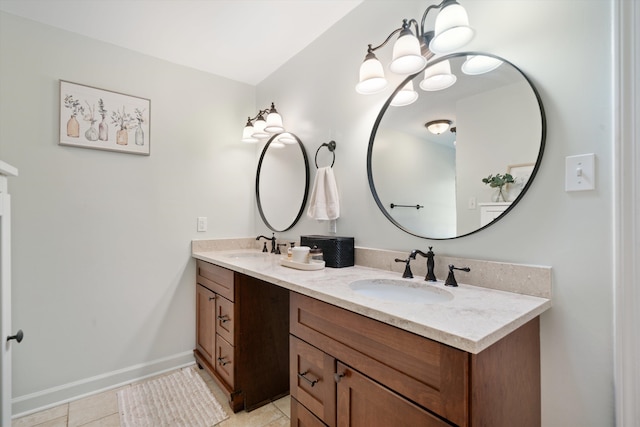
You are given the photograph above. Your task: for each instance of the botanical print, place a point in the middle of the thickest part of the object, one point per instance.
(101, 119)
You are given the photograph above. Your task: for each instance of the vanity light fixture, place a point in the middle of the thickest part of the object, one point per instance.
(411, 52)
(437, 127)
(258, 127)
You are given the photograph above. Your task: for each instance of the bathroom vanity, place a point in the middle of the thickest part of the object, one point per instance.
(355, 360)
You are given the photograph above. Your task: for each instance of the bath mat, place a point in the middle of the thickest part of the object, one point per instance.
(178, 399)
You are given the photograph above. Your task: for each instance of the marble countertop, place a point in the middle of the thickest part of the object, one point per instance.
(474, 319)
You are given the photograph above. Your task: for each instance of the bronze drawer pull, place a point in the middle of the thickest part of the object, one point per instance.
(303, 376)
(338, 377)
(223, 318)
(222, 362)
(212, 298)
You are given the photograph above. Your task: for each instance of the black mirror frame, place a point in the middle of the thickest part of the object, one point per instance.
(306, 187)
(384, 108)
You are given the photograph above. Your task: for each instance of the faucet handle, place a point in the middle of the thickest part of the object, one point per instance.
(451, 279)
(407, 269)
(278, 247)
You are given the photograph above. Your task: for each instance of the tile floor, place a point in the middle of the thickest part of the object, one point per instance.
(101, 410)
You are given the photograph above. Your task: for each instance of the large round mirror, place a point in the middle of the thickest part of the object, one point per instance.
(282, 181)
(428, 180)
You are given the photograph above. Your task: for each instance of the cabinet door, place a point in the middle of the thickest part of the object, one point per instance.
(205, 322)
(225, 322)
(311, 379)
(363, 402)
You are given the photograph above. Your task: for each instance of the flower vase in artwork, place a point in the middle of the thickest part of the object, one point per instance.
(139, 136)
(103, 130)
(91, 134)
(122, 137)
(73, 127)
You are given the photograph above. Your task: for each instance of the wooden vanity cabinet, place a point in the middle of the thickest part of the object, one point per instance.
(383, 375)
(242, 335)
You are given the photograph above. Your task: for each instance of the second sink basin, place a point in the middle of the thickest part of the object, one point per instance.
(400, 291)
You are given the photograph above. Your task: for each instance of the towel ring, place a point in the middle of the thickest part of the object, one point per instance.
(331, 146)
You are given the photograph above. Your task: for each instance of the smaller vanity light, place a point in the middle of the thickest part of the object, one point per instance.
(438, 77)
(437, 127)
(480, 64)
(258, 127)
(372, 78)
(247, 132)
(405, 96)
(274, 121)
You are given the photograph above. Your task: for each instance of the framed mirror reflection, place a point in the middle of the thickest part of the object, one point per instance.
(431, 146)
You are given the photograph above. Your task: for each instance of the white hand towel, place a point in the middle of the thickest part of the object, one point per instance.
(324, 203)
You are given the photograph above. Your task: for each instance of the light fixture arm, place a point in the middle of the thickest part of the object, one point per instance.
(373, 49)
(250, 120)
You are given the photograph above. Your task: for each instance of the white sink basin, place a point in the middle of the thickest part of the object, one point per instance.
(248, 255)
(401, 291)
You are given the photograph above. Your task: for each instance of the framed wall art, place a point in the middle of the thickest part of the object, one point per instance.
(103, 119)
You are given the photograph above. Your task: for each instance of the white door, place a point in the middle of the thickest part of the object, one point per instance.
(7, 337)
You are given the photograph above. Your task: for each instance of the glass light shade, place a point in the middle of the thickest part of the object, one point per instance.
(276, 144)
(372, 78)
(480, 64)
(287, 138)
(437, 127)
(247, 135)
(274, 123)
(452, 30)
(258, 129)
(438, 77)
(405, 96)
(407, 57)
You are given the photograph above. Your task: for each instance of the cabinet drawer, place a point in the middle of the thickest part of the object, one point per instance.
(311, 380)
(365, 403)
(225, 360)
(225, 319)
(431, 374)
(218, 279)
(302, 417)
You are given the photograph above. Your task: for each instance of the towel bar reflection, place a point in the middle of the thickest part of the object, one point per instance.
(393, 205)
(331, 146)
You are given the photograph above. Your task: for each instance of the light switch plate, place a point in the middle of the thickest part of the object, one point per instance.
(580, 173)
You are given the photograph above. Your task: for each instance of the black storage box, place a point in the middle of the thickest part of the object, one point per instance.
(337, 251)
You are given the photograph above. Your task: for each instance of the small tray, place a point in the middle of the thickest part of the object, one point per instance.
(302, 265)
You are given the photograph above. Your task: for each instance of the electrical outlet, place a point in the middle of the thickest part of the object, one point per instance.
(202, 223)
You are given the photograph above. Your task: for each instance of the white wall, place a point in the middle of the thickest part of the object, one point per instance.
(564, 46)
(103, 278)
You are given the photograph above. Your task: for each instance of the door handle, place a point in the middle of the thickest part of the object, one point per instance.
(18, 336)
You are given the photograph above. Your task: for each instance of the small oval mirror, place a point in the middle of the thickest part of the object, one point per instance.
(282, 181)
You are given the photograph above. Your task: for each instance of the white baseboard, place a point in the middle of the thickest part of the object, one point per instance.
(49, 398)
